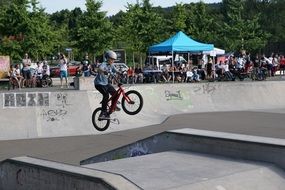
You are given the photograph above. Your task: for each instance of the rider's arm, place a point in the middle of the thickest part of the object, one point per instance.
(115, 71)
(103, 69)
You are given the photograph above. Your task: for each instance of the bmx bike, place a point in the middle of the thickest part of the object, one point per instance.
(132, 103)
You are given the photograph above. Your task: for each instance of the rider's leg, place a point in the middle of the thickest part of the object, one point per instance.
(104, 91)
(113, 92)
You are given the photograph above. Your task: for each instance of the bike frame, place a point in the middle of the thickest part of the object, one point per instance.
(118, 94)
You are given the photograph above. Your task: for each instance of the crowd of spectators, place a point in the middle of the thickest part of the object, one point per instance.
(26, 75)
(257, 67)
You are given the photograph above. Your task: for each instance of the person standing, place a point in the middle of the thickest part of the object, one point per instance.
(63, 70)
(27, 70)
(85, 66)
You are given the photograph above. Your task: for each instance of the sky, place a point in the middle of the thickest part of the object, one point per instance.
(110, 6)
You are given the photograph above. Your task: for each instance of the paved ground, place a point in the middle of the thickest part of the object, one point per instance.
(71, 150)
(188, 170)
(74, 149)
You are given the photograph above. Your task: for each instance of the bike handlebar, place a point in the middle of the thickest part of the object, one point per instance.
(117, 81)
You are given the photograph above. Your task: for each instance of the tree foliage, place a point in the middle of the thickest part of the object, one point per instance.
(25, 31)
(200, 25)
(231, 24)
(93, 31)
(239, 31)
(178, 18)
(141, 26)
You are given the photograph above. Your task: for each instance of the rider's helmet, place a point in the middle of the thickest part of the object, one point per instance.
(110, 55)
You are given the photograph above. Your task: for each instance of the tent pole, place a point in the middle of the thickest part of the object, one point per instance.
(188, 57)
(172, 68)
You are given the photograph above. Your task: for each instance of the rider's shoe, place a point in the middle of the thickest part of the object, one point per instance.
(104, 116)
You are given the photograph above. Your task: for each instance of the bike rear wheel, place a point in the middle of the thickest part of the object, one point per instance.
(136, 102)
(100, 125)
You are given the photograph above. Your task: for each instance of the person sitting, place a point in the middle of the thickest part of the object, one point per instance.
(131, 75)
(138, 75)
(219, 70)
(12, 78)
(189, 75)
(196, 76)
(85, 66)
(46, 69)
(19, 77)
(165, 74)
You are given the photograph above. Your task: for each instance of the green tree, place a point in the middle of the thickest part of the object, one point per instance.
(178, 18)
(240, 32)
(200, 23)
(40, 39)
(272, 16)
(94, 31)
(65, 23)
(141, 27)
(25, 28)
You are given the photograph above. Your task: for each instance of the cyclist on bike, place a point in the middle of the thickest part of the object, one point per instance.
(103, 84)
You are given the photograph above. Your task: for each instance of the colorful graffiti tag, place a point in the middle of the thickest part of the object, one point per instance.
(4, 66)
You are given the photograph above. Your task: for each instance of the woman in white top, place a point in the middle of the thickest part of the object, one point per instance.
(27, 70)
(63, 69)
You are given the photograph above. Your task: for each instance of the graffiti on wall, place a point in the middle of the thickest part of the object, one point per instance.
(58, 113)
(53, 114)
(39, 99)
(62, 100)
(173, 95)
(27, 99)
(205, 89)
(4, 66)
(138, 150)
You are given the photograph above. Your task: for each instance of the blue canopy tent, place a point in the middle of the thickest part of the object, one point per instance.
(180, 42)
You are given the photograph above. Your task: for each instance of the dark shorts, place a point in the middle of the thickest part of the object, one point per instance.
(27, 74)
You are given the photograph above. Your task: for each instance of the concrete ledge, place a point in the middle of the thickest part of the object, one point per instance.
(217, 143)
(30, 173)
(84, 83)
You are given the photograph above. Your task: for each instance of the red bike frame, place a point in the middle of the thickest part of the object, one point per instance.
(117, 95)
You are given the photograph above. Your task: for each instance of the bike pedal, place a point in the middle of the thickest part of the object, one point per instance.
(115, 121)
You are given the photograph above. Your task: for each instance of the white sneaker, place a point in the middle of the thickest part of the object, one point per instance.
(104, 116)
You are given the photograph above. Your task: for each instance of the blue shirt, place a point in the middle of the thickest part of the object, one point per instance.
(102, 78)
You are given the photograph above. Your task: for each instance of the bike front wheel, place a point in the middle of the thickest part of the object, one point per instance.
(132, 103)
(100, 125)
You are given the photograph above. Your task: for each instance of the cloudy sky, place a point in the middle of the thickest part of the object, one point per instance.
(111, 6)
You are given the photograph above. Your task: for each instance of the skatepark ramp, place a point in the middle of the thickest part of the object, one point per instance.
(197, 159)
(33, 174)
(40, 114)
(178, 159)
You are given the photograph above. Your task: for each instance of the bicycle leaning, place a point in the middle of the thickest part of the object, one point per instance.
(131, 102)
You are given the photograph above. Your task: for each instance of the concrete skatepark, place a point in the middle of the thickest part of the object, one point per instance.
(232, 139)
